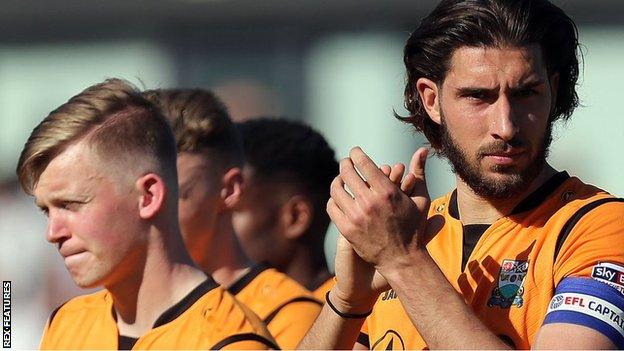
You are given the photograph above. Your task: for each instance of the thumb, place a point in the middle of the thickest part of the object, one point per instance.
(416, 173)
(417, 163)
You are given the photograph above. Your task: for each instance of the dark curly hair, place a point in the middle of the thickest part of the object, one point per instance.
(281, 150)
(490, 23)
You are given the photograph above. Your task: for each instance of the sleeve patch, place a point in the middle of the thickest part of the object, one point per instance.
(586, 302)
(609, 273)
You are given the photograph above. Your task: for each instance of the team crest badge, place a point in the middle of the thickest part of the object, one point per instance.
(508, 291)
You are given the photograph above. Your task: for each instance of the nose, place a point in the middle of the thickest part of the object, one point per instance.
(503, 124)
(56, 231)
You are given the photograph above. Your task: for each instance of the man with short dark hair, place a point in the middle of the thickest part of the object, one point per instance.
(210, 160)
(281, 217)
(518, 255)
(102, 169)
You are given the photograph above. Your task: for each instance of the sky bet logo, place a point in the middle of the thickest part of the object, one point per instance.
(611, 274)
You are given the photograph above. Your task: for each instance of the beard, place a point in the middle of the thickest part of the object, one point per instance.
(513, 182)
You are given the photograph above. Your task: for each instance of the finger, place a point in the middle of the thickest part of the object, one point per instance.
(334, 211)
(368, 169)
(397, 173)
(385, 169)
(340, 195)
(417, 163)
(352, 179)
(337, 216)
(408, 183)
(416, 182)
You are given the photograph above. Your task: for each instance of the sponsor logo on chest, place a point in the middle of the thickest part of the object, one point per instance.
(509, 290)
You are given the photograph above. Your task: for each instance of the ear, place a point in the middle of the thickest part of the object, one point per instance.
(296, 216)
(429, 95)
(231, 188)
(152, 192)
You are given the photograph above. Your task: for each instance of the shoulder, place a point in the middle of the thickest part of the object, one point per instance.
(83, 305)
(593, 232)
(230, 323)
(277, 286)
(271, 291)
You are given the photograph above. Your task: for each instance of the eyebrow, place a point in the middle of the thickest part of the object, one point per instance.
(474, 90)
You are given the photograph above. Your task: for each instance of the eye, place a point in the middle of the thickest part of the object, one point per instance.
(477, 96)
(70, 205)
(526, 93)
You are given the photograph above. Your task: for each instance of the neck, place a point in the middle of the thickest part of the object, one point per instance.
(224, 258)
(475, 209)
(141, 296)
(308, 268)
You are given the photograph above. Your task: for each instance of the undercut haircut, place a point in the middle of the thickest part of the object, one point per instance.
(490, 24)
(201, 124)
(289, 152)
(115, 121)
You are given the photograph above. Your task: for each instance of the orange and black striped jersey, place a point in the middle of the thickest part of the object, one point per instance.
(207, 318)
(287, 308)
(320, 292)
(509, 271)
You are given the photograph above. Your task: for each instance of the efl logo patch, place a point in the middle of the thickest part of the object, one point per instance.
(588, 305)
(609, 273)
(509, 289)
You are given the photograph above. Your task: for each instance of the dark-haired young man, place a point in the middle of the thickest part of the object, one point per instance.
(102, 167)
(281, 217)
(518, 255)
(210, 160)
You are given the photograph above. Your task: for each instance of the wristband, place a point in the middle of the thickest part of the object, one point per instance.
(346, 315)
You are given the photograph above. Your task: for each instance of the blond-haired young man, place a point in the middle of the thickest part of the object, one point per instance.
(102, 168)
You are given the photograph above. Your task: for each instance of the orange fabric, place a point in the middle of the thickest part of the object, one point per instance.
(271, 291)
(511, 274)
(87, 322)
(320, 292)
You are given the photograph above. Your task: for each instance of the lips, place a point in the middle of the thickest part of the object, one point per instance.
(504, 158)
(508, 153)
(66, 252)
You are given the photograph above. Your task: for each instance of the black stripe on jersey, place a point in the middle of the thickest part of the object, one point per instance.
(363, 340)
(53, 314)
(176, 310)
(567, 228)
(240, 284)
(472, 233)
(243, 337)
(126, 342)
(272, 315)
(540, 194)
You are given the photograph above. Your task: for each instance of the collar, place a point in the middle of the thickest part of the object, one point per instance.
(528, 203)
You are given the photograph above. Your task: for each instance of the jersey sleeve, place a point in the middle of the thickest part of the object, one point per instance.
(589, 274)
(290, 322)
(596, 240)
